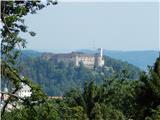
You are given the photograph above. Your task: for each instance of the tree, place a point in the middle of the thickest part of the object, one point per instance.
(45, 111)
(148, 93)
(85, 99)
(12, 13)
(92, 99)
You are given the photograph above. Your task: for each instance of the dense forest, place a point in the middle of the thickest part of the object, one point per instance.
(57, 78)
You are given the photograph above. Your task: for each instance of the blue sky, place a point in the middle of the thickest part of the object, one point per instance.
(71, 26)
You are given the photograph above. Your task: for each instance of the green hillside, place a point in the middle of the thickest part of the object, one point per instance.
(56, 79)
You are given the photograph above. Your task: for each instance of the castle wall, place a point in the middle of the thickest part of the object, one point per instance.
(75, 58)
(66, 60)
(87, 60)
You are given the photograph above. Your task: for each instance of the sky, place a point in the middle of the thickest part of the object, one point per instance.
(70, 26)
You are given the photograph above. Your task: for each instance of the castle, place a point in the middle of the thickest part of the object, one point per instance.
(76, 58)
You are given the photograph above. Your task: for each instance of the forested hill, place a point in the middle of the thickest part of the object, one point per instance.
(140, 59)
(58, 78)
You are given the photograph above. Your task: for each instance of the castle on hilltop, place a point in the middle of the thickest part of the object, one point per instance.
(76, 58)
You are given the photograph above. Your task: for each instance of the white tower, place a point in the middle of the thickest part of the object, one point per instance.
(99, 61)
(100, 50)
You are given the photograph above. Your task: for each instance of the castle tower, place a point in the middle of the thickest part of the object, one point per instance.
(99, 61)
(100, 51)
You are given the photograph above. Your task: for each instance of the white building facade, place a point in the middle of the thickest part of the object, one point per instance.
(25, 91)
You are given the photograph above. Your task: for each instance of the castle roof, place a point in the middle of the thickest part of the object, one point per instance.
(68, 55)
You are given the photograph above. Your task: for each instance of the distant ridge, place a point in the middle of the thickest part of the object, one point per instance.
(30, 53)
(140, 59)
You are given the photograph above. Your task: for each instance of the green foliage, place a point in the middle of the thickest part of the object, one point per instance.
(115, 99)
(132, 72)
(12, 24)
(120, 94)
(104, 112)
(156, 113)
(93, 103)
(39, 112)
(120, 98)
(148, 92)
(55, 79)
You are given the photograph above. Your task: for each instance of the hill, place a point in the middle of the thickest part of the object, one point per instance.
(56, 79)
(30, 53)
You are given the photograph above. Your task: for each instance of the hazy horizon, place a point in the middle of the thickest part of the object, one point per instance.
(118, 26)
(74, 50)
